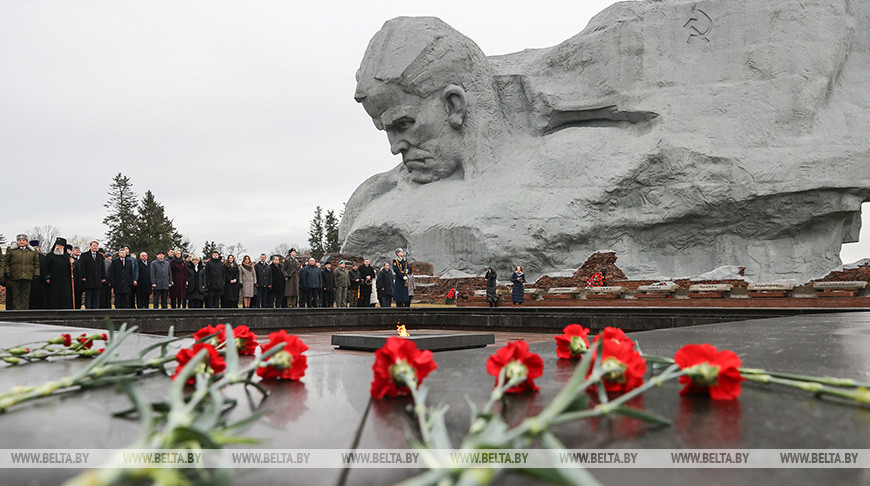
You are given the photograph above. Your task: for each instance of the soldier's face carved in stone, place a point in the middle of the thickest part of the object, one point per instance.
(427, 132)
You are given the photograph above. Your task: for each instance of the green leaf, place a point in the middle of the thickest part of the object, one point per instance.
(580, 402)
(176, 393)
(161, 344)
(440, 437)
(642, 415)
(208, 418)
(573, 475)
(245, 421)
(182, 434)
(146, 418)
(492, 435)
(231, 354)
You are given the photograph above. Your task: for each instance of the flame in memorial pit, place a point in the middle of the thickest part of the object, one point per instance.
(402, 331)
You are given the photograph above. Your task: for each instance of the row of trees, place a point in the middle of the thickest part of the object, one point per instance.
(140, 224)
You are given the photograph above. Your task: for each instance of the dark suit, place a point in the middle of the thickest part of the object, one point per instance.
(93, 272)
(264, 281)
(385, 287)
(327, 280)
(367, 277)
(121, 275)
(143, 285)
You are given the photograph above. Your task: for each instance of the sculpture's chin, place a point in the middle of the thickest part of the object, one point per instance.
(426, 176)
(423, 178)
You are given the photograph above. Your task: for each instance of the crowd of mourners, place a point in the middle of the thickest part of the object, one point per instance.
(68, 277)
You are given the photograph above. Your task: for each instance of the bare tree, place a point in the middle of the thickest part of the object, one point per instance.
(46, 234)
(281, 249)
(236, 249)
(83, 242)
(284, 248)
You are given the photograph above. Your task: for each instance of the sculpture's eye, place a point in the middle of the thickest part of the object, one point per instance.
(403, 124)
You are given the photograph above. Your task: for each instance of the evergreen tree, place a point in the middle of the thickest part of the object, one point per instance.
(154, 231)
(121, 218)
(331, 245)
(210, 247)
(315, 234)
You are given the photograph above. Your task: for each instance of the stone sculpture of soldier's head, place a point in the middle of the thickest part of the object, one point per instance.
(426, 85)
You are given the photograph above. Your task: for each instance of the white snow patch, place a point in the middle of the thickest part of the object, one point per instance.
(727, 272)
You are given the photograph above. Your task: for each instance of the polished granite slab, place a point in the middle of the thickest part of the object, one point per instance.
(432, 341)
(331, 407)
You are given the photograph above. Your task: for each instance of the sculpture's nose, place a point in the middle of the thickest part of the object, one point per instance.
(398, 145)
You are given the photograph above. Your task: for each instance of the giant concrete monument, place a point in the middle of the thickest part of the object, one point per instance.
(683, 135)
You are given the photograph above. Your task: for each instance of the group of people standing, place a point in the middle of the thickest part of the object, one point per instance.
(67, 278)
(289, 284)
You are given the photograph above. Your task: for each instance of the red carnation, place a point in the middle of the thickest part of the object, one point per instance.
(104, 336)
(520, 362)
(67, 339)
(573, 342)
(246, 340)
(208, 331)
(85, 341)
(213, 364)
(396, 363)
(622, 366)
(709, 371)
(287, 364)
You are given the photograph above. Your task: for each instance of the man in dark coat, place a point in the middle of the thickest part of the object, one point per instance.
(327, 280)
(290, 271)
(161, 279)
(367, 278)
(58, 277)
(264, 282)
(276, 293)
(22, 265)
(121, 277)
(353, 289)
(93, 274)
(215, 280)
(313, 283)
(143, 284)
(385, 286)
(400, 287)
(131, 259)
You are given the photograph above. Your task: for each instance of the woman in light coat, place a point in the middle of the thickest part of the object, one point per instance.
(248, 279)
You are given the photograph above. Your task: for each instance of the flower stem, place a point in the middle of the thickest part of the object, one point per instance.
(859, 395)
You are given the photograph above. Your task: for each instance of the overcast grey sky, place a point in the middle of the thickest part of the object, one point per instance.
(239, 116)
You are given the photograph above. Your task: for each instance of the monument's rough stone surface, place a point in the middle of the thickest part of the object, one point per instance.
(683, 135)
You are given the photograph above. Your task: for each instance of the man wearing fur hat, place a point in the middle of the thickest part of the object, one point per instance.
(58, 277)
(22, 265)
